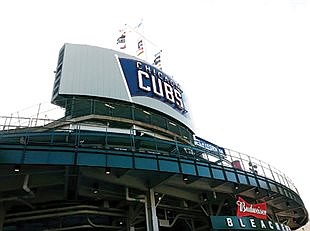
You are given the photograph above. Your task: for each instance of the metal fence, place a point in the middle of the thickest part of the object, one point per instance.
(36, 115)
(253, 165)
(10, 125)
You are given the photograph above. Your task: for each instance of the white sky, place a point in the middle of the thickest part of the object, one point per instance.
(244, 65)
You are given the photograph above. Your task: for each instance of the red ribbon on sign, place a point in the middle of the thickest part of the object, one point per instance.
(245, 209)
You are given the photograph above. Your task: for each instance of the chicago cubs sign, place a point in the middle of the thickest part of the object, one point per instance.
(146, 80)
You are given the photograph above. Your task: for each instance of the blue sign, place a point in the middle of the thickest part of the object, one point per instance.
(209, 146)
(146, 80)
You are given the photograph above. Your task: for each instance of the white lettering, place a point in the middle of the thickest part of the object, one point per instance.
(262, 224)
(178, 99)
(287, 228)
(152, 80)
(147, 69)
(169, 92)
(205, 145)
(252, 222)
(241, 223)
(229, 222)
(283, 228)
(270, 225)
(141, 75)
(244, 208)
(139, 65)
(277, 226)
(158, 91)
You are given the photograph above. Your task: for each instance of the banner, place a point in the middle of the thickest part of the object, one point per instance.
(121, 40)
(157, 60)
(245, 209)
(140, 49)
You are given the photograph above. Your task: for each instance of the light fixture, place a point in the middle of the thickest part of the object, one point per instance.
(236, 186)
(204, 197)
(270, 196)
(16, 168)
(185, 177)
(184, 204)
(95, 188)
(108, 170)
(146, 112)
(173, 124)
(256, 191)
(214, 195)
(109, 106)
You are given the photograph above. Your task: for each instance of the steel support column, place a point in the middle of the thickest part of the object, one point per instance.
(151, 210)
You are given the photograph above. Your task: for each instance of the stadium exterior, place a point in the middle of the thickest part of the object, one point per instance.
(125, 157)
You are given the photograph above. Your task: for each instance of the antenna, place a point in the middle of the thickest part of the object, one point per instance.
(134, 29)
(143, 45)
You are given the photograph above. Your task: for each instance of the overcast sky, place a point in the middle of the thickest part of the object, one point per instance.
(244, 65)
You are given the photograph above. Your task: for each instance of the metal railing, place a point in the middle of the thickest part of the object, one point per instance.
(11, 129)
(11, 122)
(258, 167)
(36, 115)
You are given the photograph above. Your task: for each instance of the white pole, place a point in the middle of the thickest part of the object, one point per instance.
(145, 38)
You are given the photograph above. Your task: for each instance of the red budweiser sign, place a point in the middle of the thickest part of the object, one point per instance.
(245, 209)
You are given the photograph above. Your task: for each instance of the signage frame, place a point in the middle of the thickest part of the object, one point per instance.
(246, 223)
